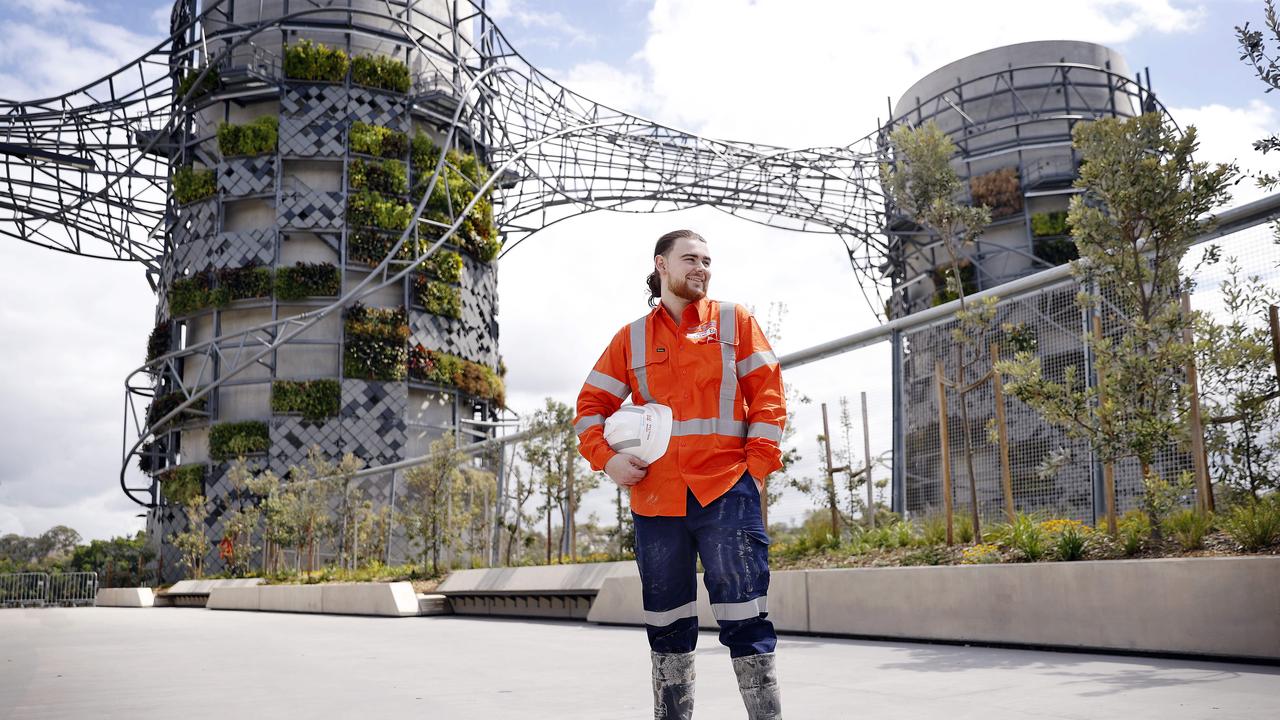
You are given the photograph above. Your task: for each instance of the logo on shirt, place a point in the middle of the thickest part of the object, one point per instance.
(707, 332)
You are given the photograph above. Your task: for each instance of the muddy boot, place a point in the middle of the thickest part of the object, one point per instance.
(758, 683)
(672, 685)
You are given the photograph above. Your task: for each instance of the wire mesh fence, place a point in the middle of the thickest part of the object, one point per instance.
(1050, 470)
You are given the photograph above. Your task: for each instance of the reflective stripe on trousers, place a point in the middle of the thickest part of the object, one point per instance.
(729, 536)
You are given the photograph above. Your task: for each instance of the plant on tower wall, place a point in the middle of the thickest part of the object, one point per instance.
(253, 138)
(314, 399)
(229, 439)
(315, 62)
(191, 184)
(380, 71)
(375, 343)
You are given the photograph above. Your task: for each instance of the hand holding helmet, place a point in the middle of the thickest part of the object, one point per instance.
(640, 435)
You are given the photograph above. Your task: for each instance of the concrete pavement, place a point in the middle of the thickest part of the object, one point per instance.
(193, 663)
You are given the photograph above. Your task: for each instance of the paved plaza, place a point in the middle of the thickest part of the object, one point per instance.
(195, 663)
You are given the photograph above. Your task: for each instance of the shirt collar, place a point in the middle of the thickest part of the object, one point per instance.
(702, 307)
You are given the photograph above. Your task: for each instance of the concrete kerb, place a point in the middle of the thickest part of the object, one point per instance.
(395, 599)
(125, 597)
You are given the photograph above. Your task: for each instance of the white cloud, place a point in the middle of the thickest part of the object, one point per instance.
(552, 26)
(1227, 134)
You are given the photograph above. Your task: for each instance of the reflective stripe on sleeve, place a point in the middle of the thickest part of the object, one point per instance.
(768, 431)
(666, 617)
(611, 385)
(637, 359)
(728, 378)
(624, 444)
(587, 421)
(756, 361)
(740, 610)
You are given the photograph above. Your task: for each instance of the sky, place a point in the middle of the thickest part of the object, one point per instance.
(795, 73)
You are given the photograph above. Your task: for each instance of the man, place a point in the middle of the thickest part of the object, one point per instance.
(710, 363)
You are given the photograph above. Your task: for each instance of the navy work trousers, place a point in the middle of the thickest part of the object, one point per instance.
(729, 535)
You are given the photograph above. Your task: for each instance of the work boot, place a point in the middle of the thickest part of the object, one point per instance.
(758, 683)
(672, 685)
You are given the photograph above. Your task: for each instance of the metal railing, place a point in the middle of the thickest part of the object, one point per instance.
(48, 590)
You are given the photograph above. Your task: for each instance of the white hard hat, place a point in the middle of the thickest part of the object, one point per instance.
(640, 430)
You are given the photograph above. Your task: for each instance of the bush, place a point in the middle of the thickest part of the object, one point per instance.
(166, 403)
(444, 265)
(377, 141)
(306, 60)
(188, 295)
(460, 176)
(1067, 537)
(370, 209)
(1055, 251)
(305, 280)
(369, 246)
(934, 529)
(1188, 528)
(438, 298)
(930, 555)
(449, 370)
(254, 138)
(242, 283)
(944, 292)
(387, 177)
(315, 399)
(380, 71)
(212, 81)
(375, 344)
(182, 483)
(158, 342)
(231, 439)
(1048, 224)
(1134, 527)
(999, 191)
(980, 554)
(191, 185)
(1254, 525)
(1023, 536)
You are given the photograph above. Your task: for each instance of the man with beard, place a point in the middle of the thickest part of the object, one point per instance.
(710, 363)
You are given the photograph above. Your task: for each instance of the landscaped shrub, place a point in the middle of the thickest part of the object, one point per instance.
(1133, 528)
(1068, 538)
(191, 185)
(1024, 536)
(1049, 224)
(306, 60)
(444, 369)
(377, 141)
(999, 191)
(437, 297)
(370, 209)
(158, 342)
(254, 138)
(1188, 528)
(242, 283)
(1254, 525)
(315, 399)
(444, 265)
(166, 403)
(188, 295)
(211, 82)
(380, 71)
(375, 347)
(182, 483)
(387, 177)
(305, 280)
(980, 554)
(229, 440)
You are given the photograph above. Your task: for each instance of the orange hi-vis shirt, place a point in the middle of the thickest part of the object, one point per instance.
(717, 373)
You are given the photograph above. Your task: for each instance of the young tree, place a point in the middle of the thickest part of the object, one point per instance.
(552, 455)
(520, 492)
(193, 543)
(1238, 385)
(1144, 202)
(922, 183)
(426, 513)
(1253, 50)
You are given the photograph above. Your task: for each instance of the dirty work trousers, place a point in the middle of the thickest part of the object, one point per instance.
(729, 535)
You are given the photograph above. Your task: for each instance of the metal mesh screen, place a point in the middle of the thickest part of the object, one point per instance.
(1049, 470)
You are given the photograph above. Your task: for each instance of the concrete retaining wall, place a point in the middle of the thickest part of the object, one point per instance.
(124, 597)
(1226, 607)
(383, 599)
(539, 579)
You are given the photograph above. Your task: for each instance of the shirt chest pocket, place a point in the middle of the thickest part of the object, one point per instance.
(652, 375)
(707, 364)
